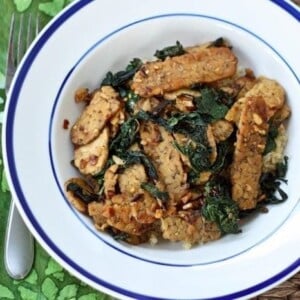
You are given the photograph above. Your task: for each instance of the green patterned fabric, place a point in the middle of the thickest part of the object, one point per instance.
(47, 280)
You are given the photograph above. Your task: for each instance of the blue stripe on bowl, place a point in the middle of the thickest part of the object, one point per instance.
(18, 189)
(289, 8)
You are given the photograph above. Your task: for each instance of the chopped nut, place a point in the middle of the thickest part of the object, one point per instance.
(257, 119)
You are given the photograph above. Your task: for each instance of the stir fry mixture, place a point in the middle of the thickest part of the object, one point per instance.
(179, 148)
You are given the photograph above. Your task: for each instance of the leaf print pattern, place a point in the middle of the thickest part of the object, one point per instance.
(6, 292)
(47, 280)
(52, 8)
(22, 5)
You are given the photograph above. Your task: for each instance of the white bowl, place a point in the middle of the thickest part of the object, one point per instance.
(74, 52)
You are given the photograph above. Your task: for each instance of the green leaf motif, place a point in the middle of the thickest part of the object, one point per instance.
(4, 184)
(32, 278)
(59, 276)
(27, 294)
(5, 292)
(52, 267)
(90, 296)
(68, 292)
(49, 289)
(52, 8)
(22, 5)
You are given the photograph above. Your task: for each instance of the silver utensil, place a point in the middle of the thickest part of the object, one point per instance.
(19, 243)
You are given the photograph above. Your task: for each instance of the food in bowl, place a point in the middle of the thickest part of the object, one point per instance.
(179, 148)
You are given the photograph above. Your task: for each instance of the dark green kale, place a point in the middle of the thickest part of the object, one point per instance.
(224, 157)
(130, 99)
(219, 42)
(219, 207)
(120, 78)
(192, 126)
(138, 157)
(170, 51)
(198, 155)
(272, 135)
(213, 104)
(126, 136)
(117, 234)
(81, 193)
(155, 192)
(270, 183)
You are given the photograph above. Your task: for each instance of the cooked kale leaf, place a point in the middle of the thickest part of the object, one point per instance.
(121, 77)
(117, 234)
(126, 136)
(219, 207)
(224, 150)
(138, 157)
(219, 42)
(130, 98)
(272, 135)
(198, 155)
(170, 51)
(270, 183)
(155, 192)
(213, 104)
(82, 194)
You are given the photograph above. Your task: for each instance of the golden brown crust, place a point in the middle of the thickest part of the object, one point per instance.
(131, 179)
(159, 146)
(122, 214)
(247, 158)
(110, 181)
(270, 90)
(190, 228)
(102, 107)
(222, 130)
(200, 65)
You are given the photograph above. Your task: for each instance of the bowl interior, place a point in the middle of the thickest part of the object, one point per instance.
(141, 39)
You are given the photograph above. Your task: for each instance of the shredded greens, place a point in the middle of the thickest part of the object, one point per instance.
(219, 207)
(270, 183)
(121, 77)
(155, 192)
(170, 51)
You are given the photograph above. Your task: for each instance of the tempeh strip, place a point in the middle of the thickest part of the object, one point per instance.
(270, 90)
(201, 65)
(247, 158)
(103, 106)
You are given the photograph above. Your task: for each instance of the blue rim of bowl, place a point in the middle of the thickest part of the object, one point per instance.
(288, 8)
(9, 149)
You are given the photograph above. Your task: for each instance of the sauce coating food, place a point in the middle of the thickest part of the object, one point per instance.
(179, 148)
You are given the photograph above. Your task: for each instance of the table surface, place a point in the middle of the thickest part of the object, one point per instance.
(48, 280)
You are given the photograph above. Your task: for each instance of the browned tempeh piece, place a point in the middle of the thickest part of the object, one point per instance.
(102, 107)
(159, 146)
(123, 214)
(200, 65)
(190, 228)
(91, 158)
(247, 158)
(221, 129)
(270, 90)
